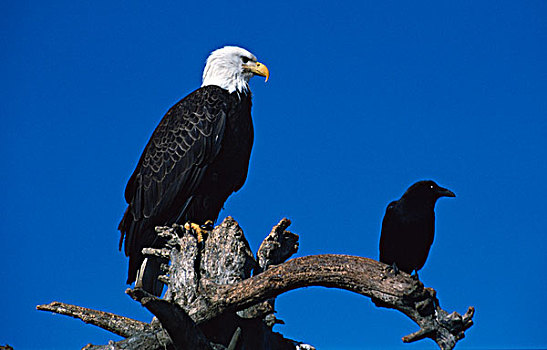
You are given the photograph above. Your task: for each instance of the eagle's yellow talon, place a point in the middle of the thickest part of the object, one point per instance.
(201, 231)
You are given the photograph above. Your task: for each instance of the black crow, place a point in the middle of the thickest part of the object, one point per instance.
(408, 227)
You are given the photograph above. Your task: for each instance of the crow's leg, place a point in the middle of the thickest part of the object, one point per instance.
(395, 268)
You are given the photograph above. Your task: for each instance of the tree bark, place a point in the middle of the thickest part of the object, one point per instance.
(213, 301)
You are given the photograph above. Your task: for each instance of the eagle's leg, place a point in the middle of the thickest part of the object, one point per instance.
(201, 231)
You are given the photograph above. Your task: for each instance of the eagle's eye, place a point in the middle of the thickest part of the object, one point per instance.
(245, 59)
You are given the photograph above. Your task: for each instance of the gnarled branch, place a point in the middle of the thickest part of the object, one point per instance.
(181, 329)
(213, 302)
(356, 274)
(120, 325)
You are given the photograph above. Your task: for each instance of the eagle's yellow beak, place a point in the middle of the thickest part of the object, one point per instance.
(259, 69)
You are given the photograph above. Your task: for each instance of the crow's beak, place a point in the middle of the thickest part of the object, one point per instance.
(445, 192)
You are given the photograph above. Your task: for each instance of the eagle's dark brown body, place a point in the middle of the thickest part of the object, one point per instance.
(197, 156)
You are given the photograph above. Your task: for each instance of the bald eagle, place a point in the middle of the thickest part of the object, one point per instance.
(197, 157)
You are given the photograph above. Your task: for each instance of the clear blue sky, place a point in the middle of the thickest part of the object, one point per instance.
(364, 99)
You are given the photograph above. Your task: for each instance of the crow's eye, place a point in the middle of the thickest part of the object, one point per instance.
(245, 59)
(432, 186)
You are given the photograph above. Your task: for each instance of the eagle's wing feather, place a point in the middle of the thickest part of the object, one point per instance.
(187, 139)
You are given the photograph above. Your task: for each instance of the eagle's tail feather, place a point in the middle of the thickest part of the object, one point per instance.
(148, 273)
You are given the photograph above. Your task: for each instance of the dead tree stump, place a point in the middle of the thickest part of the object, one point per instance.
(220, 296)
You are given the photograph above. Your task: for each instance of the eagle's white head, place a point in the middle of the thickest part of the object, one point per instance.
(231, 68)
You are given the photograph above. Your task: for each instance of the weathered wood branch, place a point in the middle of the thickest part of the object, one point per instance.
(278, 246)
(156, 339)
(183, 332)
(356, 274)
(212, 302)
(360, 275)
(120, 325)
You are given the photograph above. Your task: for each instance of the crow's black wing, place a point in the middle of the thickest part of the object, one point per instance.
(390, 239)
